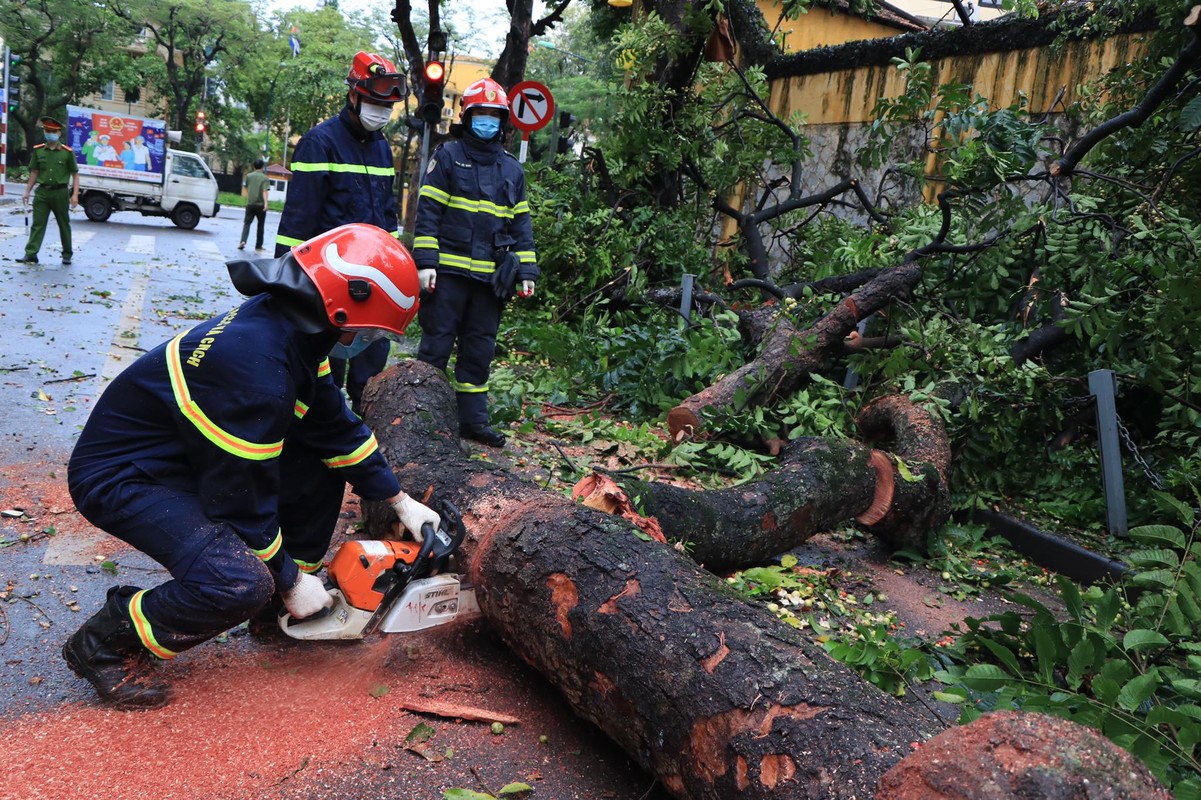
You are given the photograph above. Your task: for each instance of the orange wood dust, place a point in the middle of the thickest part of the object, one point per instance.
(239, 725)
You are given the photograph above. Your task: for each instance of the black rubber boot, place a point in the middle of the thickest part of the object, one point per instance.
(107, 653)
(482, 433)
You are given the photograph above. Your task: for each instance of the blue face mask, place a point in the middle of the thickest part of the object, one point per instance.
(485, 128)
(362, 340)
(51, 137)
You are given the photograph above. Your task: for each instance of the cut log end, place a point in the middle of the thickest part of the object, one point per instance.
(1194, 16)
(885, 486)
(682, 424)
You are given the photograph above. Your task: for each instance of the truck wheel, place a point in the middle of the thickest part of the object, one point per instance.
(97, 207)
(186, 216)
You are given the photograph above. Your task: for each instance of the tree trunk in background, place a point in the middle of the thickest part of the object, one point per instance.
(818, 485)
(712, 695)
(789, 355)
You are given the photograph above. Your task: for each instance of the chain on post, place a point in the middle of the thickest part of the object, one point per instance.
(1152, 478)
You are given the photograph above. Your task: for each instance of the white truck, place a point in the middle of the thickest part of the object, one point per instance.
(126, 165)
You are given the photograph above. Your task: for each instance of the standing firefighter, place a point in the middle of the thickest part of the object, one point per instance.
(52, 168)
(224, 454)
(342, 172)
(472, 242)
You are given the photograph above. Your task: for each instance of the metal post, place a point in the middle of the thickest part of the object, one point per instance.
(425, 150)
(4, 122)
(1102, 385)
(686, 297)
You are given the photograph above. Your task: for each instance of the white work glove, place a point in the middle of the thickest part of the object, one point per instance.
(527, 289)
(413, 515)
(307, 597)
(426, 278)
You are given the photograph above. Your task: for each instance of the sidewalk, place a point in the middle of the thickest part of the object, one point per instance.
(12, 193)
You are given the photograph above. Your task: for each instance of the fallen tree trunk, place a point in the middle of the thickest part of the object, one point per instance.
(789, 355)
(712, 695)
(818, 485)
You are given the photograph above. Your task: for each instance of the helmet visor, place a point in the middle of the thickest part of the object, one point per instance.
(388, 87)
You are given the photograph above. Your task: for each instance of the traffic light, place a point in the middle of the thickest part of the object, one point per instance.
(566, 120)
(433, 84)
(13, 90)
(201, 124)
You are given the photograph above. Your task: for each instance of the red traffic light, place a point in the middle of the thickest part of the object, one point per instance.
(434, 71)
(200, 116)
(200, 127)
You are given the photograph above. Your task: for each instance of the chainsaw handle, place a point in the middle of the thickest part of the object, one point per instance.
(420, 565)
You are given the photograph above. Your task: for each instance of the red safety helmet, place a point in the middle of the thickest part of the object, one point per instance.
(485, 93)
(366, 278)
(376, 78)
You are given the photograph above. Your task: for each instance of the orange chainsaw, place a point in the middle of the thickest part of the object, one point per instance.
(393, 587)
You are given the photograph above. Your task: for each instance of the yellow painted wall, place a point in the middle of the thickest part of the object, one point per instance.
(821, 27)
(848, 96)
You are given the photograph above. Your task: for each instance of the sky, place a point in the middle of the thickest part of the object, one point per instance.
(486, 19)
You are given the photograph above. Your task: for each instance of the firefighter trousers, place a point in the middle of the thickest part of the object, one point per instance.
(466, 311)
(216, 580)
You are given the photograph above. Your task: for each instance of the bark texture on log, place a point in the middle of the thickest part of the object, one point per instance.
(789, 354)
(818, 485)
(712, 695)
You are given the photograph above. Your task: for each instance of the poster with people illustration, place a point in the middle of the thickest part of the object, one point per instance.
(117, 145)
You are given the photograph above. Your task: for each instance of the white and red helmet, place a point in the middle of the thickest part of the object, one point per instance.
(485, 93)
(365, 277)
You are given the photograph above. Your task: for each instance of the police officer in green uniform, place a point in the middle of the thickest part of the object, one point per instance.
(53, 163)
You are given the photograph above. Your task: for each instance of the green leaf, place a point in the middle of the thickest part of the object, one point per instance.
(379, 690)
(1143, 639)
(1138, 689)
(949, 697)
(906, 474)
(515, 788)
(985, 677)
(1158, 534)
(465, 794)
(1003, 654)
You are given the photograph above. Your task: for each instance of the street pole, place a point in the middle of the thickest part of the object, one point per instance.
(4, 123)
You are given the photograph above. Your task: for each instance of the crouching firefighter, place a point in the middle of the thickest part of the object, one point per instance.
(224, 453)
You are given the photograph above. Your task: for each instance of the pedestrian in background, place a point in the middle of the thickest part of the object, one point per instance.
(474, 248)
(342, 172)
(256, 184)
(52, 165)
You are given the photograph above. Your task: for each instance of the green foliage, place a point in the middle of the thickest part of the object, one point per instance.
(1124, 661)
(850, 627)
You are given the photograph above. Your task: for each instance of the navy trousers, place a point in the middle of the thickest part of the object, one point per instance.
(216, 581)
(363, 367)
(467, 312)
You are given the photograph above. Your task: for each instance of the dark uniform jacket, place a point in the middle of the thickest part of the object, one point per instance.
(209, 413)
(472, 201)
(341, 173)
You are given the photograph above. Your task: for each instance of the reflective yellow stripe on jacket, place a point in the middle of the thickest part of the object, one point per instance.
(209, 429)
(361, 454)
(142, 626)
(329, 166)
(474, 206)
(289, 241)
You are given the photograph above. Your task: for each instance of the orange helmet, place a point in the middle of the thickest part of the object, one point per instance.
(366, 278)
(485, 93)
(376, 78)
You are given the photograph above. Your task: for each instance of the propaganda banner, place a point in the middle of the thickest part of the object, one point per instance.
(117, 145)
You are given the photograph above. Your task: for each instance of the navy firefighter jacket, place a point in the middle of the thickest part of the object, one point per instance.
(209, 413)
(341, 173)
(472, 201)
